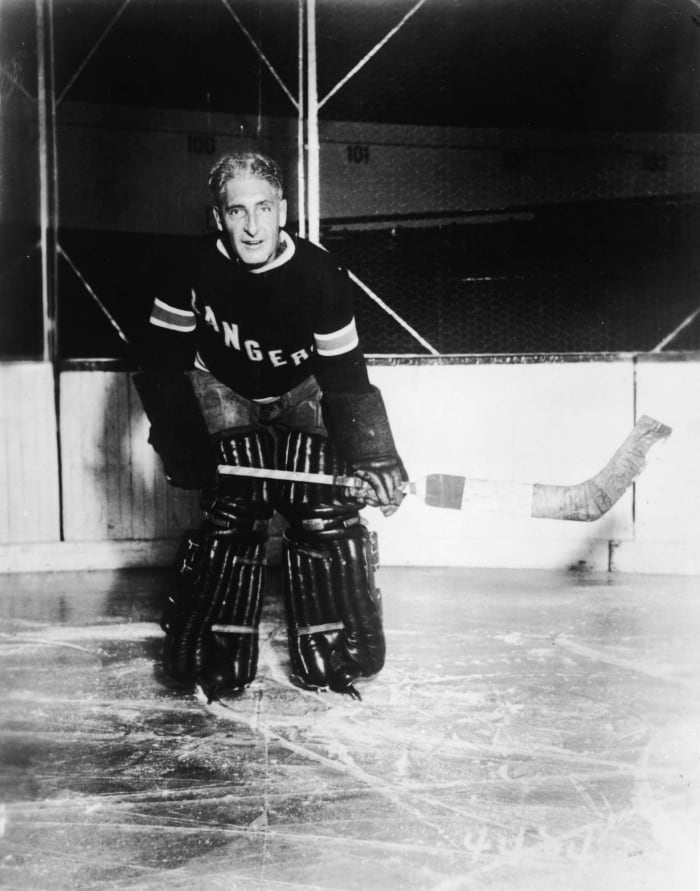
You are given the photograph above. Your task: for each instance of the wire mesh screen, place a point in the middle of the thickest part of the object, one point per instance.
(570, 279)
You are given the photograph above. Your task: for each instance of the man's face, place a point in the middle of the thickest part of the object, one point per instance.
(251, 214)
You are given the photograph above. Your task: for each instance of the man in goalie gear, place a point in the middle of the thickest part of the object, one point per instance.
(253, 359)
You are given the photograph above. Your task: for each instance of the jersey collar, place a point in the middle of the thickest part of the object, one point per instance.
(280, 259)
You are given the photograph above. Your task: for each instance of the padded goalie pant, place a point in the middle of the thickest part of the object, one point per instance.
(211, 621)
(333, 607)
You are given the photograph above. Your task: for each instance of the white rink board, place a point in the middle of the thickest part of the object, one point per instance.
(518, 420)
(667, 508)
(29, 475)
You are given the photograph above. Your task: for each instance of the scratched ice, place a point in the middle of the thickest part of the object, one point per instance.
(529, 731)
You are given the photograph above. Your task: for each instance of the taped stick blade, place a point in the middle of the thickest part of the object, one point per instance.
(631, 458)
(594, 497)
(646, 433)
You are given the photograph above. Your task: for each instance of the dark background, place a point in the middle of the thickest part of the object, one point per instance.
(611, 65)
(583, 277)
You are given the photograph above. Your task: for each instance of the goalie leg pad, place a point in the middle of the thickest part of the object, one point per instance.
(313, 622)
(211, 620)
(211, 624)
(333, 609)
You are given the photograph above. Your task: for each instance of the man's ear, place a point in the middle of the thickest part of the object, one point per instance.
(283, 212)
(217, 218)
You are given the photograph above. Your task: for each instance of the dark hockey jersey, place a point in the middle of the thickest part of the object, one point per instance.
(262, 331)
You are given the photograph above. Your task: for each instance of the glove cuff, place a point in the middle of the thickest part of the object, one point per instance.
(178, 430)
(359, 426)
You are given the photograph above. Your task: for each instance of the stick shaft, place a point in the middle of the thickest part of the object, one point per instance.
(291, 476)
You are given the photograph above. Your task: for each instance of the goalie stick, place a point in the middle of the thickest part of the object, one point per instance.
(585, 501)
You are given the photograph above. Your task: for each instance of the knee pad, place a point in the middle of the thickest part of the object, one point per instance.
(211, 620)
(310, 504)
(248, 449)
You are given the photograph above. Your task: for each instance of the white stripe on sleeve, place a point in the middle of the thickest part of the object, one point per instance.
(171, 317)
(337, 342)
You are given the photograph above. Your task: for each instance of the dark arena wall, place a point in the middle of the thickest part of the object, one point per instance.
(481, 241)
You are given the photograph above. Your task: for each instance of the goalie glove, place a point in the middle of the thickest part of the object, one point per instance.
(178, 432)
(359, 427)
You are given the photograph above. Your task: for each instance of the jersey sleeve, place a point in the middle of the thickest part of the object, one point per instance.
(337, 343)
(172, 317)
(169, 341)
(340, 363)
